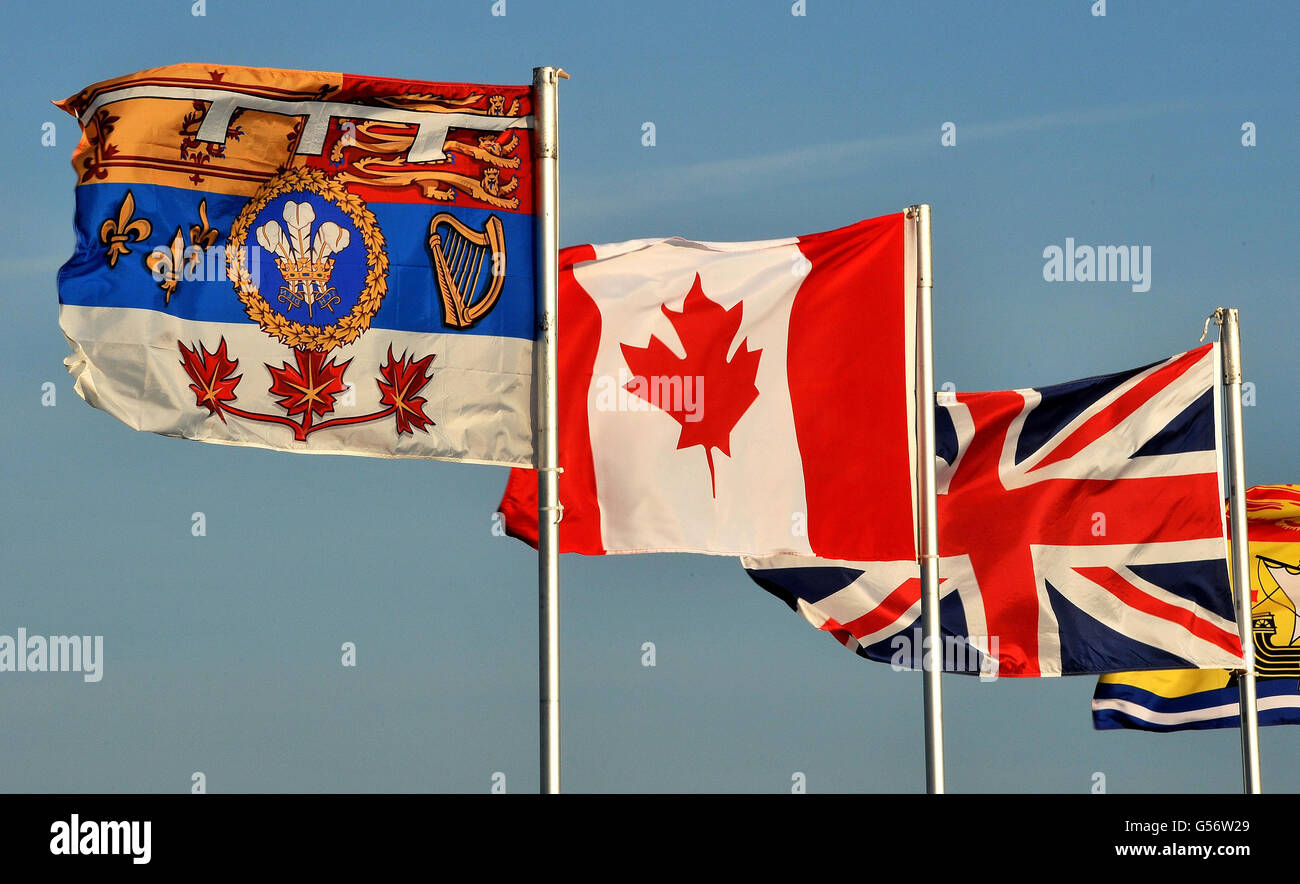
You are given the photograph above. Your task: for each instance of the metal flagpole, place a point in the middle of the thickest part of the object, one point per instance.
(1230, 338)
(545, 439)
(928, 526)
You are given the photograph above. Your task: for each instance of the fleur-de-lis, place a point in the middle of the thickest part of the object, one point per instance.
(172, 263)
(167, 264)
(202, 235)
(117, 232)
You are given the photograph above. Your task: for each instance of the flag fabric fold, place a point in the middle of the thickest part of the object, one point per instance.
(731, 398)
(1080, 531)
(305, 261)
(1172, 700)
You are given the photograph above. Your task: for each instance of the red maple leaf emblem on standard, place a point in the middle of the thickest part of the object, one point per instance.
(403, 379)
(704, 392)
(310, 386)
(212, 376)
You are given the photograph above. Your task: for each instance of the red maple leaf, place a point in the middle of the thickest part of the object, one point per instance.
(313, 384)
(704, 392)
(402, 379)
(211, 373)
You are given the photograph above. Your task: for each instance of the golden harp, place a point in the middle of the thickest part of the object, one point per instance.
(469, 266)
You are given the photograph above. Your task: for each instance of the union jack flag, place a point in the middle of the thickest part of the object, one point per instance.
(1081, 530)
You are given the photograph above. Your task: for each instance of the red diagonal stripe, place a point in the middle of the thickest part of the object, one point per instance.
(1110, 417)
(1135, 598)
(889, 610)
(839, 633)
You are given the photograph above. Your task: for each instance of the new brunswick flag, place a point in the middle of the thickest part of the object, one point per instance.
(305, 261)
(1170, 700)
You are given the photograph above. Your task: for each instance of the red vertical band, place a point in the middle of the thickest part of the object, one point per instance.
(848, 363)
(578, 338)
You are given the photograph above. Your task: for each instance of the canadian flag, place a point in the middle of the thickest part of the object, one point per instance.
(736, 398)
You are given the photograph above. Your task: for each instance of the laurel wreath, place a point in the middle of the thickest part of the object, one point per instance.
(276, 324)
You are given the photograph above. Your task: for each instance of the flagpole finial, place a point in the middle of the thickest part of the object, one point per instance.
(1216, 317)
(548, 74)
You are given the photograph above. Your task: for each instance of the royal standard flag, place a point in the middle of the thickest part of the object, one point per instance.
(1185, 700)
(306, 261)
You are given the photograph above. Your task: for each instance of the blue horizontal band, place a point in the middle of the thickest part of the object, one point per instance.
(412, 302)
(1266, 688)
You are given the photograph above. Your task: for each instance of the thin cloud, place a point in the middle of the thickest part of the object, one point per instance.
(604, 195)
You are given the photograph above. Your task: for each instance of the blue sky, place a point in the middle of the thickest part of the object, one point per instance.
(222, 652)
